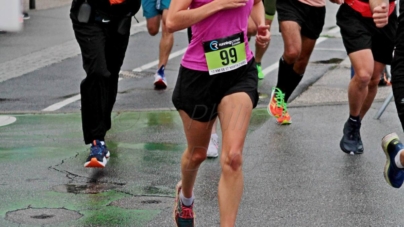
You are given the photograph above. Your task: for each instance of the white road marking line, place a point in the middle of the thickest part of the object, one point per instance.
(154, 63)
(75, 98)
(65, 102)
(6, 120)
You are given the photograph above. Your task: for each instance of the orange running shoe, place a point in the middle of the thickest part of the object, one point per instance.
(277, 103)
(285, 119)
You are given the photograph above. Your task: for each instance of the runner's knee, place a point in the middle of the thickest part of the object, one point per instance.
(234, 160)
(197, 155)
(291, 55)
(152, 30)
(363, 76)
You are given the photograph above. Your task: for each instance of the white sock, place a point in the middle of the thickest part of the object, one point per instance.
(398, 161)
(186, 201)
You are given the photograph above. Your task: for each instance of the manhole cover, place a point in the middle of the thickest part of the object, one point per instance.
(91, 188)
(42, 216)
(6, 120)
(144, 203)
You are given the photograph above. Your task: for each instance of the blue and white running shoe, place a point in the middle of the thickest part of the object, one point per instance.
(98, 157)
(159, 79)
(391, 146)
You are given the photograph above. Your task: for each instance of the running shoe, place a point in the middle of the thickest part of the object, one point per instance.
(25, 16)
(384, 80)
(360, 145)
(260, 73)
(159, 79)
(183, 215)
(213, 147)
(98, 157)
(285, 119)
(391, 146)
(351, 142)
(277, 103)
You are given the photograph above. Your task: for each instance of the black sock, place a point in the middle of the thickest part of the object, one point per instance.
(288, 79)
(293, 82)
(354, 119)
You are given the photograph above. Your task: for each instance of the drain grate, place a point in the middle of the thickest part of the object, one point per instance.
(42, 216)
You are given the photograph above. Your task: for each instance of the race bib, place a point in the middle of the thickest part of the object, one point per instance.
(225, 54)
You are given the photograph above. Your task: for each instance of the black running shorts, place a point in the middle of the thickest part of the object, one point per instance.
(199, 94)
(359, 33)
(310, 18)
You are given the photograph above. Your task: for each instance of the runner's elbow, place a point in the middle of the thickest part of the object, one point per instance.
(171, 26)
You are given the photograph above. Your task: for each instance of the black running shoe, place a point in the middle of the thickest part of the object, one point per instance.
(98, 157)
(360, 145)
(351, 142)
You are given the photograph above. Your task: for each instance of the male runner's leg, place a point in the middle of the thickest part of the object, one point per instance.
(369, 48)
(155, 16)
(300, 26)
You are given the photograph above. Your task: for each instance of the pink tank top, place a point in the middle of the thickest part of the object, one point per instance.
(219, 25)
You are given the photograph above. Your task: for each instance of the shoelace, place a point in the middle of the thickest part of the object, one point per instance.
(354, 133)
(96, 150)
(187, 212)
(280, 100)
(215, 142)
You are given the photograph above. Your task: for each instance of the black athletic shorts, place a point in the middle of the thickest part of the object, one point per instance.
(199, 94)
(310, 18)
(359, 33)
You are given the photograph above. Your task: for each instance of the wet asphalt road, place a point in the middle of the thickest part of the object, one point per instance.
(294, 176)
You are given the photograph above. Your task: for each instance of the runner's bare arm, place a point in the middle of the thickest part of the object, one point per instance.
(258, 16)
(180, 17)
(380, 9)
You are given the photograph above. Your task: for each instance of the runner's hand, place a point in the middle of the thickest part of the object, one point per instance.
(231, 4)
(339, 2)
(263, 35)
(381, 15)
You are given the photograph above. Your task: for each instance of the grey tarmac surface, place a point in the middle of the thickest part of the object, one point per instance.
(294, 175)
